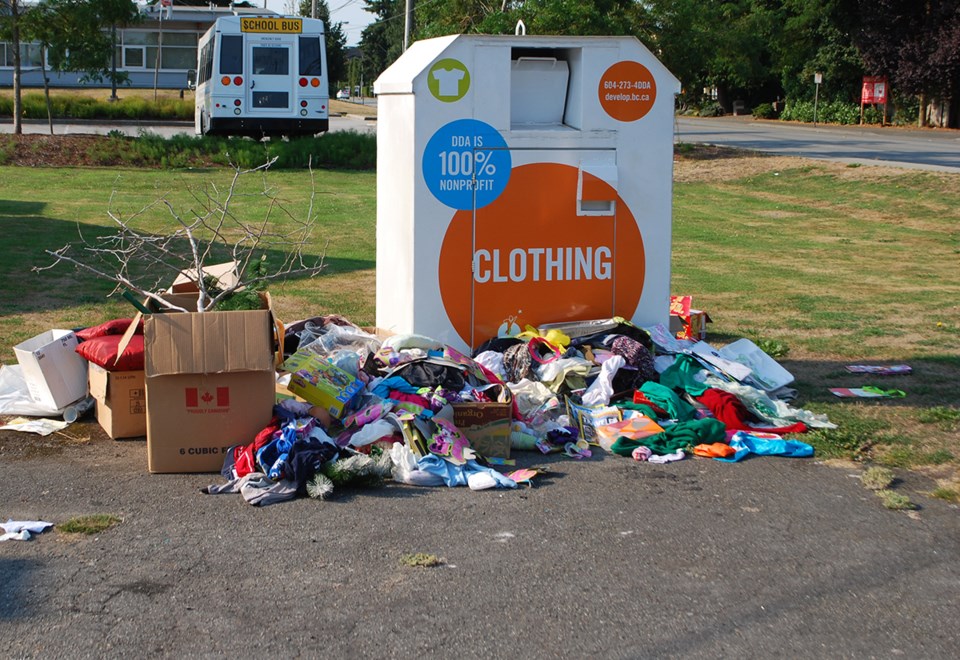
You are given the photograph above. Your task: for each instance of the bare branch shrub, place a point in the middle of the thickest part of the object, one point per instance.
(270, 248)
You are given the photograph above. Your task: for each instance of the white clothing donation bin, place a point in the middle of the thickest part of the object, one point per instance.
(521, 181)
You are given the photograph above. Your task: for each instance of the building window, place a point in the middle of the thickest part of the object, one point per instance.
(178, 50)
(134, 57)
(29, 55)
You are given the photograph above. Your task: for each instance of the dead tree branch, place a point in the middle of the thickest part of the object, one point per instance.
(255, 230)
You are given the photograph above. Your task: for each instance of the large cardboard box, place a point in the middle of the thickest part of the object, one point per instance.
(121, 401)
(210, 384)
(55, 374)
(486, 425)
(320, 382)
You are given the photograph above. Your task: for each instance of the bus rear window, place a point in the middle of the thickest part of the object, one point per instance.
(271, 61)
(231, 54)
(310, 56)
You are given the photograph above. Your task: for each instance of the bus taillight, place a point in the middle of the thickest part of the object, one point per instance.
(314, 82)
(303, 104)
(303, 82)
(236, 102)
(225, 80)
(238, 81)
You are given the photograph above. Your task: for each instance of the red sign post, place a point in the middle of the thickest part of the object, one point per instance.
(874, 92)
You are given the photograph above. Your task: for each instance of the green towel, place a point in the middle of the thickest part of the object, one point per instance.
(669, 400)
(683, 435)
(681, 374)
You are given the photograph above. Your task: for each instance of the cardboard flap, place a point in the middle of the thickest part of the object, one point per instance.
(226, 275)
(127, 336)
(98, 382)
(208, 343)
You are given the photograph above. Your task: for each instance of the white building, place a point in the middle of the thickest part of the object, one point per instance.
(158, 51)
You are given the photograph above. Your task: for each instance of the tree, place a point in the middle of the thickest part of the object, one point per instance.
(10, 23)
(915, 44)
(39, 26)
(114, 13)
(816, 36)
(381, 42)
(335, 38)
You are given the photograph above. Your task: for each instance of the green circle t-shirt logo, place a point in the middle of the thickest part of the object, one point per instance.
(448, 80)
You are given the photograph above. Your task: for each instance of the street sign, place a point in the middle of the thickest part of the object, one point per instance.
(874, 89)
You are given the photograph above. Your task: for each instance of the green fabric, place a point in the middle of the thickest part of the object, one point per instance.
(681, 374)
(642, 408)
(669, 400)
(683, 435)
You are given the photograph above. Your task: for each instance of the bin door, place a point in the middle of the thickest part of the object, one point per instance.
(269, 88)
(545, 250)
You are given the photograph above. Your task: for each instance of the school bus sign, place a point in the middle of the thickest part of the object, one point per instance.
(274, 25)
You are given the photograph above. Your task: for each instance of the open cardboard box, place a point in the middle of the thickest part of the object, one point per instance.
(210, 378)
(55, 374)
(210, 383)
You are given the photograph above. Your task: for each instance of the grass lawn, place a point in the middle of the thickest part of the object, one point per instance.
(838, 265)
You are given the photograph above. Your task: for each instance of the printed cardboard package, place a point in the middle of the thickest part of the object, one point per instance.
(685, 322)
(320, 382)
(210, 384)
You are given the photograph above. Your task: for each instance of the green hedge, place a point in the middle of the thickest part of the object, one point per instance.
(340, 150)
(840, 112)
(82, 107)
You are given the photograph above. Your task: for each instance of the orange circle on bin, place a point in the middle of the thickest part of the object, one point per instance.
(627, 91)
(536, 260)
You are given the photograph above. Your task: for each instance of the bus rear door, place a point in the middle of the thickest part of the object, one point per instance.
(270, 88)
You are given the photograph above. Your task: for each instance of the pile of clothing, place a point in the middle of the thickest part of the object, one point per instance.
(573, 388)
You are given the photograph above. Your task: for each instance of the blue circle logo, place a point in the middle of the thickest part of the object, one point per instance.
(466, 164)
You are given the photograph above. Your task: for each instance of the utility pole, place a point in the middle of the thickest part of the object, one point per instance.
(408, 17)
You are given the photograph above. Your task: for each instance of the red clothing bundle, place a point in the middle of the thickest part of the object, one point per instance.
(730, 410)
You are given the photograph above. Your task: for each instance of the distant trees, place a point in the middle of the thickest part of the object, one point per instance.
(334, 37)
(917, 45)
(755, 50)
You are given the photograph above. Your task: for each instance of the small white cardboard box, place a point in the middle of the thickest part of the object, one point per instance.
(55, 374)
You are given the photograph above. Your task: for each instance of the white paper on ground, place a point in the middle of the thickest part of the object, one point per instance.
(15, 396)
(39, 426)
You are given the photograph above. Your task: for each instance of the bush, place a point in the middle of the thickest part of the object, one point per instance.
(872, 115)
(712, 110)
(828, 112)
(764, 111)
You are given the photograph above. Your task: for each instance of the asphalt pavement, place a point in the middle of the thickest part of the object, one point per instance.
(927, 149)
(604, 557)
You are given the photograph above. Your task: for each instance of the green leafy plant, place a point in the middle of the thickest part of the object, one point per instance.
(764, 111)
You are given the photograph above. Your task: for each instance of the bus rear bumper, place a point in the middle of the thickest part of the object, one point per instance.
(259, 127)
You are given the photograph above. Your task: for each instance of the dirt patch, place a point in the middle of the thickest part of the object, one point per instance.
(695, 163)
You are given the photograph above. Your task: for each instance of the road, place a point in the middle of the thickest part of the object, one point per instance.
(920, 149)
(603, 558)
(870, 145)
